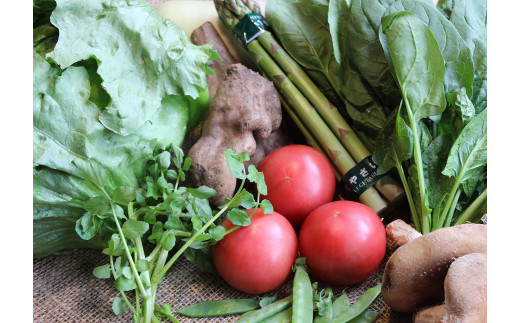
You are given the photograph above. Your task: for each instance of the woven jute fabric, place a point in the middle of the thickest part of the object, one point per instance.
(64, 290)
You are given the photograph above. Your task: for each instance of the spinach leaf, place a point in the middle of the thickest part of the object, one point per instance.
(434, 160)
(470, 19)
(360, 21)
(468, 155)
(302, 28)
(456, 54)
(143, 58)
(416, 62)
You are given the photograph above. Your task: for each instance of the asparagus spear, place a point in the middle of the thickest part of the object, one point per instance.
(306, 112)
(335, 121)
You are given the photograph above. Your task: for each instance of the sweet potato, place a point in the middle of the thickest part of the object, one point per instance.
(414, 275)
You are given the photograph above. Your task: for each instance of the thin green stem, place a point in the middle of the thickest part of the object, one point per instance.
(448, 205)
(409, 196)
(123, 295)
(425, 223)
(473, 209)
(452, 208)
(157, 277)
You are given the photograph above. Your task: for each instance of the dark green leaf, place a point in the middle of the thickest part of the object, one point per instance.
(102, 272)
(168, 241)
(124, 284)
(145, 279)
(257, 177)
(217, 232)
(416, 62)
(239, 217)
(202, 192)
(134, 229)
(174, 223)
(266, 207)
(164, 159)
(150, 217)
(165, 312)
(157, 232)
(187, 164)
(244, 199)
(178, 157)
(124, 194)
(93, 173)
(434, 160)
(142, 265)
(115, 247)
(394, 143)
(170, 174)
(468, 155)
(204, 261)
(87, 226)
(119, 306)
(235, 163)
(97, 205)
(197, 223)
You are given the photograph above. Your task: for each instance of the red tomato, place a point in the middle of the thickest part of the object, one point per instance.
(344, 242)
(257, 258)
(299, 179)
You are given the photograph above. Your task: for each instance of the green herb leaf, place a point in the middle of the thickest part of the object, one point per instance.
(168, 241)
(266, 207)
(164, 159)
(134, 229)
(119, 306)
(235, 163)
(87, 226)
(142, 265)
(102, 272)
(217, 232)
(93, 173)
(257, 177)
(202, 192)
(239, 217)
(243, 199)
(124, 194)
(97, 205)
(115, 247)
(124, 284)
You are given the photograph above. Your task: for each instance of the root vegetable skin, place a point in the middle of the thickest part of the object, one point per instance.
(430, 314)
(401, 232)
(465, 289)
(414, 275)
(246, 109)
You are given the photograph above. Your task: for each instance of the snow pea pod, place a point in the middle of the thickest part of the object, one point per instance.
(368, 316)
(265, 312)
(302, 297)
(220, 307)
(362, 303)
(284, 316)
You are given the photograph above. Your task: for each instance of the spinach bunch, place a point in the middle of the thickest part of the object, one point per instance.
(432, 128)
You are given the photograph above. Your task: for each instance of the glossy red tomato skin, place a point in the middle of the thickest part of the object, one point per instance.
(343, 241)
(299, 179)
(257, 258)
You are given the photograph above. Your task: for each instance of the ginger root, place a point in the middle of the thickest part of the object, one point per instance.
(245, 110)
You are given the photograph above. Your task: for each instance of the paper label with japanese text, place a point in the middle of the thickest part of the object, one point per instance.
(361, 177)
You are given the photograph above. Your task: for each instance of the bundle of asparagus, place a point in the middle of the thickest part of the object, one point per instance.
(320, 121)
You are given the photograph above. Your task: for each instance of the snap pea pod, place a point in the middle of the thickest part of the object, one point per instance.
(356, 309)
(340, 304)
(368, 316)
(220, 307)
(302, 297)
(284, 316)
(271, 309)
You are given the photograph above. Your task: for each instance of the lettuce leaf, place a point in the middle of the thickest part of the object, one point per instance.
(119, 86)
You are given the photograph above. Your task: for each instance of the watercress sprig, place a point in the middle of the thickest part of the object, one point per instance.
(164, 218)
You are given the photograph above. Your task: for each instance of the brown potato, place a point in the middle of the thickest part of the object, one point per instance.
(414, 275)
